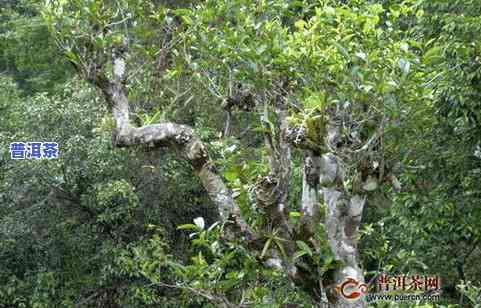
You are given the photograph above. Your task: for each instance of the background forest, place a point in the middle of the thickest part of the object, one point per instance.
(236, 153)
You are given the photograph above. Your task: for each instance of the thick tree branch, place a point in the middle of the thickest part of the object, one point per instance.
(183, 139)
(180, 137)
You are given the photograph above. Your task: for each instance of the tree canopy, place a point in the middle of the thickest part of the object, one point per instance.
(240, 153)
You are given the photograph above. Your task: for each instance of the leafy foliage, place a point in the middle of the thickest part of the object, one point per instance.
(105, 227)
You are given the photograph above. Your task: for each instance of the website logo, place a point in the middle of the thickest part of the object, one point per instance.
(351, 289)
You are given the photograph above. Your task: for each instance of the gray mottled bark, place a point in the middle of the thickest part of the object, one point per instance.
(272, 190)
(343, 210)
(343, 217)
(179, 137)
(310, 209)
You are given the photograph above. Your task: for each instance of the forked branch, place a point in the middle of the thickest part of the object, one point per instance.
(176, 136)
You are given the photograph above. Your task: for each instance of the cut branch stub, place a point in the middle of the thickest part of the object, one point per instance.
(269, 199)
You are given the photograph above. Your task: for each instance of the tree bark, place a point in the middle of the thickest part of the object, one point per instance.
(310, 203)
(344, 210)
(343, 218)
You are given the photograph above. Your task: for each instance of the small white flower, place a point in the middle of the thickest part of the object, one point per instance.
(199, 222)
(231, 149)
(361, 55)
(274, 263)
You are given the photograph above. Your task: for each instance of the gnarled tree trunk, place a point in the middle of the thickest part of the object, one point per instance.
(321, 176)
(343, 217)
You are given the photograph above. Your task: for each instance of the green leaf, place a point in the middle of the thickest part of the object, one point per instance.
(266, 247)
(304, 247)
(433, 55)
(181, 12)
(231, 175)
(153, 119)
(300, 24)
(299, 254)
(281, 248)
(342, 50)
(72, 56)
(187, 227)
(294, 214)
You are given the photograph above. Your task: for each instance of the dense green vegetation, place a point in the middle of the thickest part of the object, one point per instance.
(236, 153)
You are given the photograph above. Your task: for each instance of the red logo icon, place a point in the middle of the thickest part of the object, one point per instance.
(351, 288)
